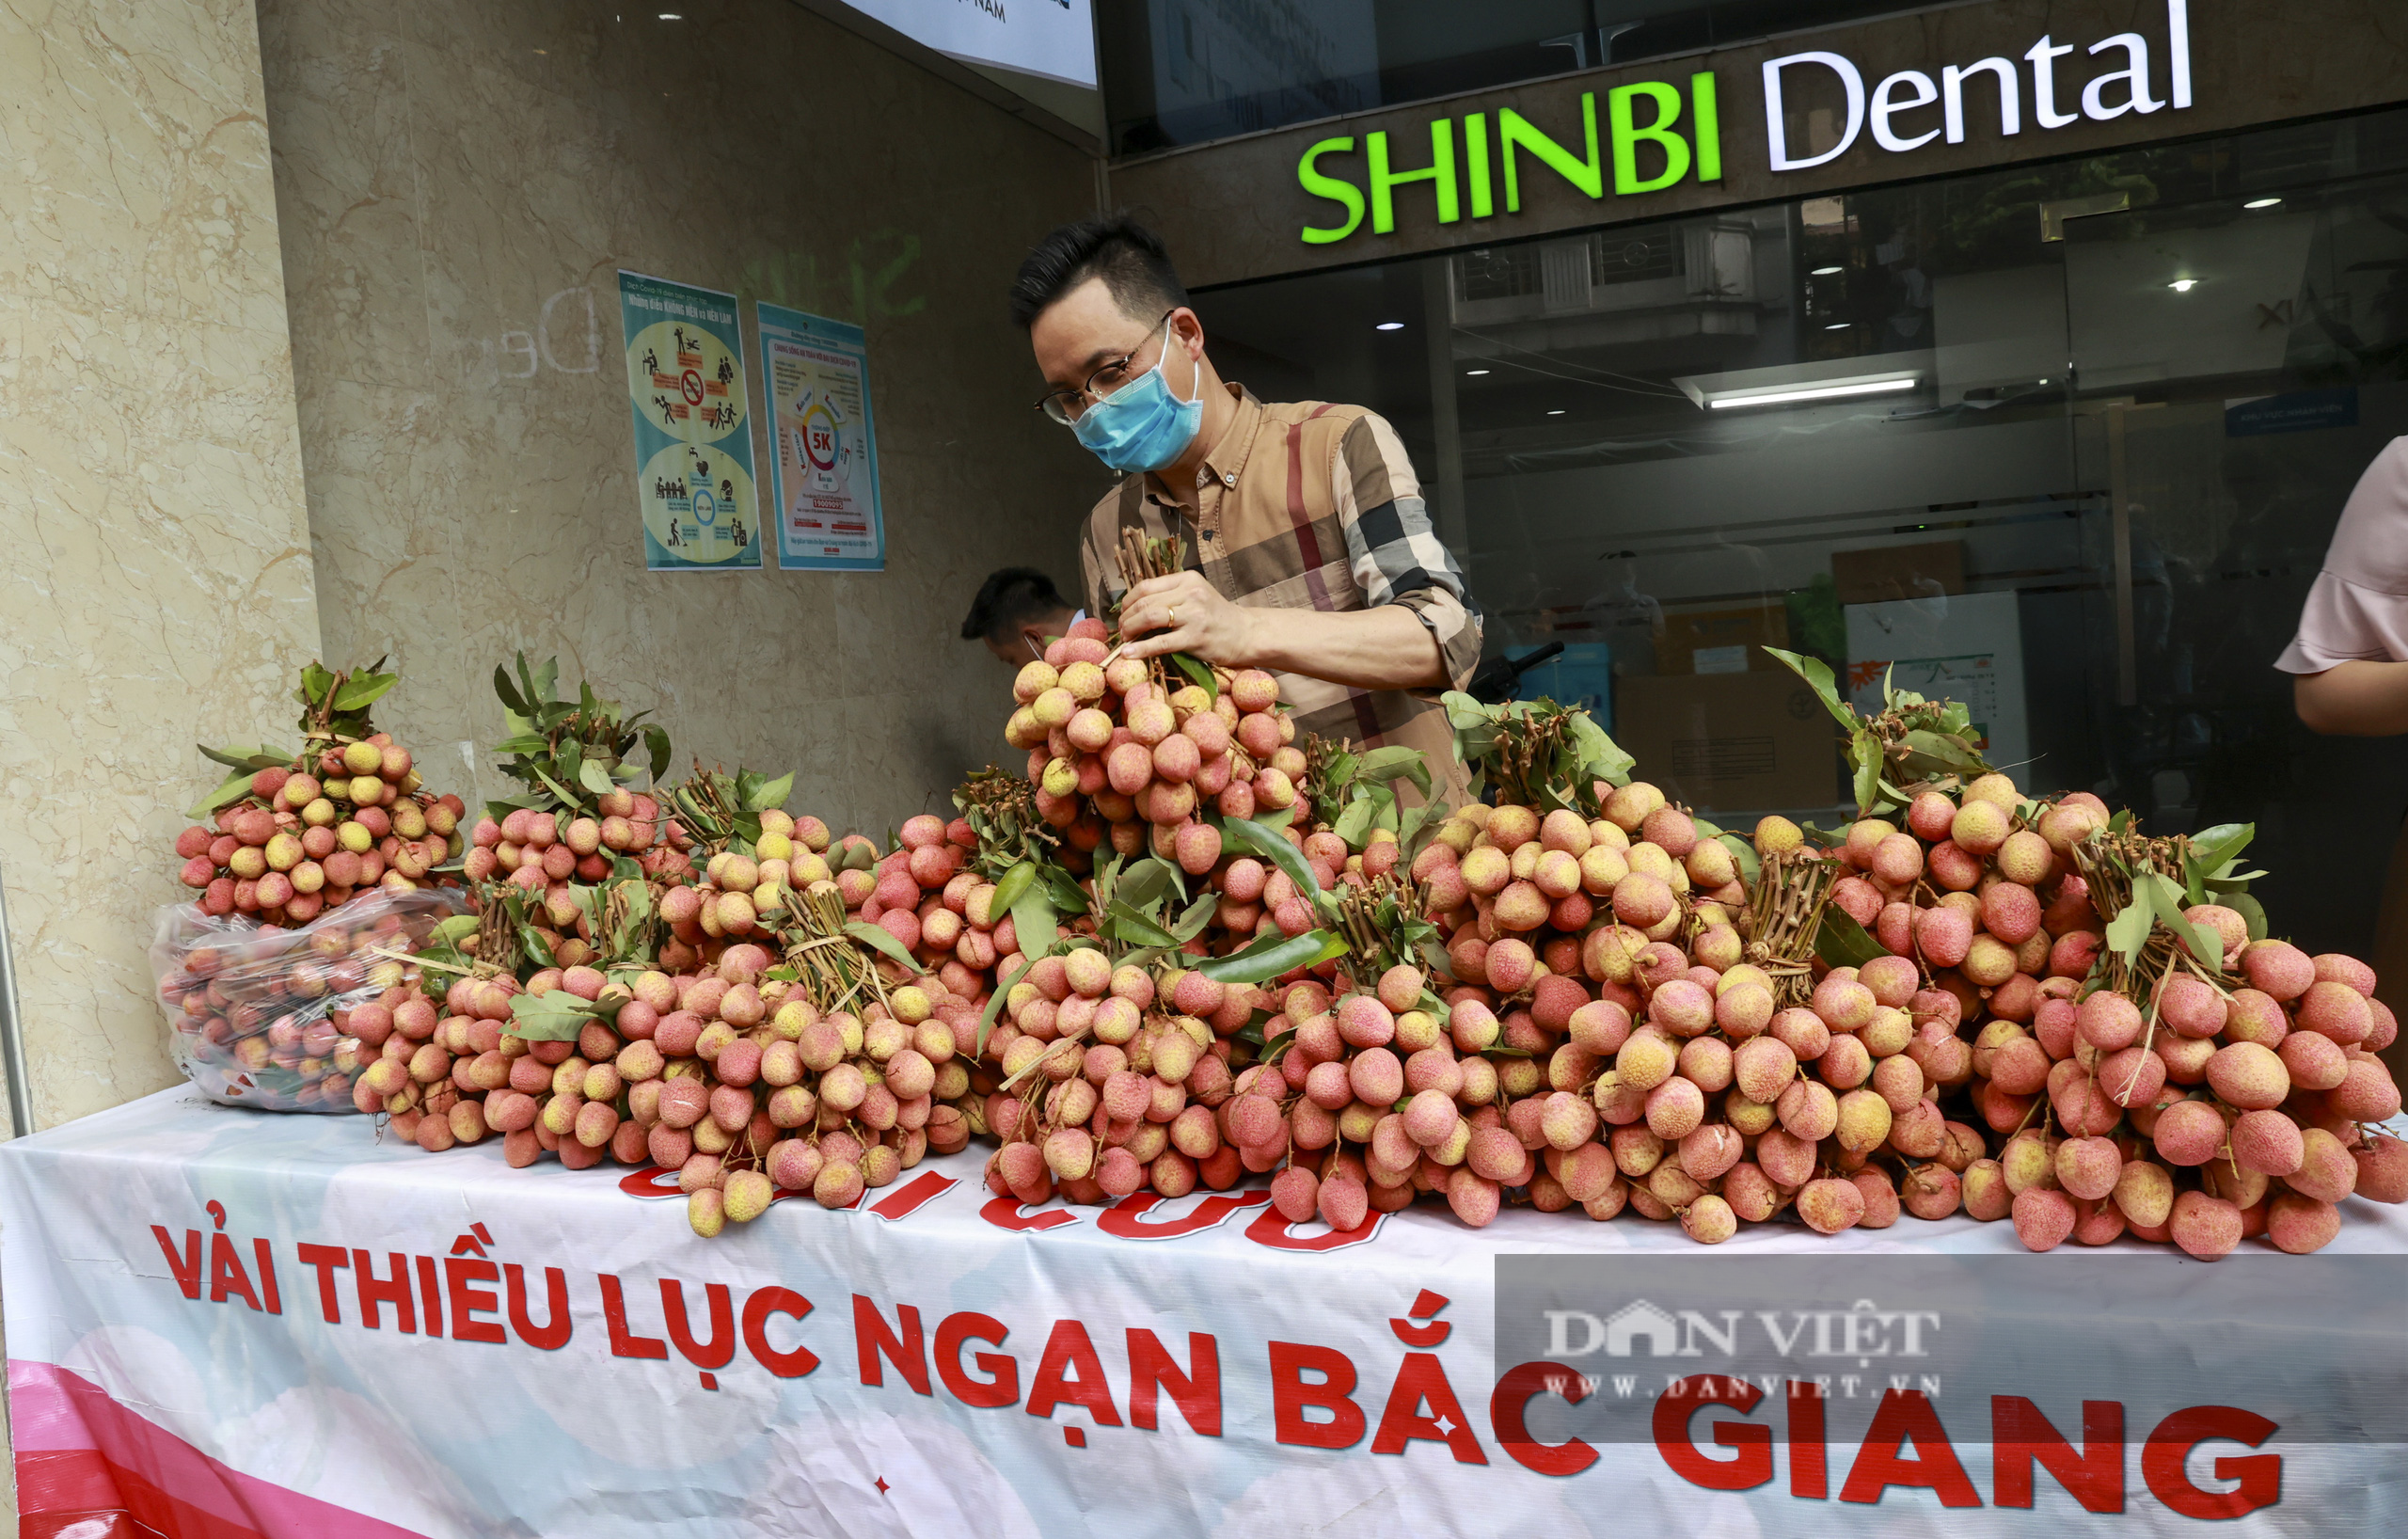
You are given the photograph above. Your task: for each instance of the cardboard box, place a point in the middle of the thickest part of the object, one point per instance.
(1730, 742)
(1895, 572)
(1729, 641)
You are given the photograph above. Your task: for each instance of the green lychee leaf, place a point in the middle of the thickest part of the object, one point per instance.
(768, 794)
(1128, 925)
(1013, 882)
(2129, 930)
(557, 789)
(1396, 762)
(1062, 889)
(1865, 751)
(2251, 910)
(590, 775)
(1277, 850)
(655, 742)
(1601, 757)
(1142, 885)
(363, 690)
(1355, 823)
(556, 1016)
(1743, 850)
(546, 678)
(315, 682)
(1841, 941)
(1274, 955)
(452, 932)
(245, 759)
(1033, 921)
(1817, 675)
(510, 699)
(1930, 751)
(878, 938)
(1198, 914)
(2168, 899)
(1464, 713)
(1198, 673)
(995, 1003)
(232, 789)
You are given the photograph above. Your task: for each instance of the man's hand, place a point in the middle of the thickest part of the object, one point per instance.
(1182, 613)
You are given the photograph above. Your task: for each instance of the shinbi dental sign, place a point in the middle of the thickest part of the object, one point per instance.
(1651, 136)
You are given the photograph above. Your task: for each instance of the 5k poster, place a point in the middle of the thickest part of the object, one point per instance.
(823, 474)
(687, 389)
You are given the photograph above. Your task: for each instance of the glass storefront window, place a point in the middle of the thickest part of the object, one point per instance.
(1184, 72)
(2066, 441)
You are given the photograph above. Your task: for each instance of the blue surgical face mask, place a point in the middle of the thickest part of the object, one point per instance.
(1142, 425)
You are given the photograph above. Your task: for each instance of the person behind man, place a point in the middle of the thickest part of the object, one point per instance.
(1308, 543)
(1017, 612)
(2348, 668)
(2350, 660)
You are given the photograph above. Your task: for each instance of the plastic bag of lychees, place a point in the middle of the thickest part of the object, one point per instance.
(286, 1020)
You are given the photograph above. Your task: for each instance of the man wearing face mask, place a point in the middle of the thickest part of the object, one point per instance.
(1309, 548)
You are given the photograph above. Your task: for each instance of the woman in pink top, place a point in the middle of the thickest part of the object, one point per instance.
(2351, 654)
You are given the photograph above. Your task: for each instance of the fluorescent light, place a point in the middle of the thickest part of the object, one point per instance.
(1809, 392)
(1839, 326)
(1825, 272)
(1390, 326)
(2261, 202)
(1556, 412)
(1475, 371)
(671, 16)
(2183, 285)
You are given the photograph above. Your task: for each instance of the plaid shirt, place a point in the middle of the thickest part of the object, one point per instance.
(1310, 506)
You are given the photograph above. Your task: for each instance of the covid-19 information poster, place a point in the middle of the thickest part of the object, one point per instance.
(693, 442)
(823, 475)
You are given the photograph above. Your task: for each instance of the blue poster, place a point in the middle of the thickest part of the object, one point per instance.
(692, 412)
(823, 476)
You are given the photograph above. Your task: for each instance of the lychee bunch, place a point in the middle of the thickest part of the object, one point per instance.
(1110, 1079)
(305, 838)
(1118, 757)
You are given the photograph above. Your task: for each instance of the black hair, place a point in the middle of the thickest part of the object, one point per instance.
(1008, 599)
(1117, 249)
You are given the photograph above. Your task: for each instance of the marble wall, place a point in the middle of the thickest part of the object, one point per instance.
(459, 184)
(157, 585)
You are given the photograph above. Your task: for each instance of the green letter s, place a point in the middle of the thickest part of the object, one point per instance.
(1344, 194)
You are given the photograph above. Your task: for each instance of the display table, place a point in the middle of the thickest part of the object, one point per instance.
(227, 1322)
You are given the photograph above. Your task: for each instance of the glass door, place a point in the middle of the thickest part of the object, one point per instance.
(2237, 363)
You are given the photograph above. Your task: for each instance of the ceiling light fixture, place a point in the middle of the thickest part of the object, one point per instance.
(1475, 371)
(2261, 202)
(1390, 326)
(1839, 326)
(1792, 394)
(673, 16)
(2183, 285)
(1556, 412)
(1825, 272)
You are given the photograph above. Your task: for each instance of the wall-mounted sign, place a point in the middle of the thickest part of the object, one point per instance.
(1659, 133)
(693, 438)
(1051, 37)
(823, 470)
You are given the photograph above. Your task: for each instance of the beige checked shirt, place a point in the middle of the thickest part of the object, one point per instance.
(1309, 505)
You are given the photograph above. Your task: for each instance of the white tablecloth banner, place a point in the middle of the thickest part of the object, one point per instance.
(225, 1323)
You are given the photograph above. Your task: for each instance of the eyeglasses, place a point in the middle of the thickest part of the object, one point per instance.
(1067, 406)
